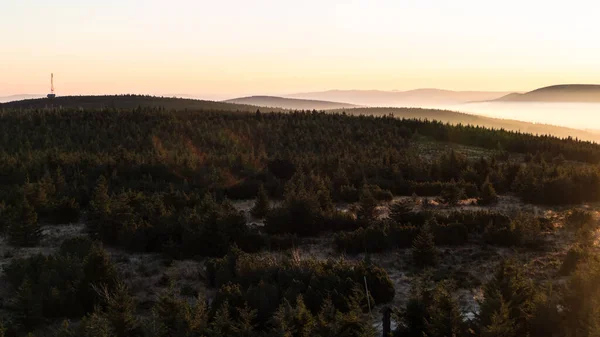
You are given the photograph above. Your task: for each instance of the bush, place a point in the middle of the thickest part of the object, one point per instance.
(264, 282)
(579, 219)
(523, 230)
(574, 257)
(60, 285)
(375, 238)
(65, 211)
(453, 234)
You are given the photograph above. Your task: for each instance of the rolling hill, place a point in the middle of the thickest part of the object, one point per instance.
(290, 103)
(571, 93)
(418, 97)
(126, 102)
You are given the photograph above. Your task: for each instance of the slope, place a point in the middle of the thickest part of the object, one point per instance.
(572, 93)
(418, 97)
(126, 102)
(290, 103)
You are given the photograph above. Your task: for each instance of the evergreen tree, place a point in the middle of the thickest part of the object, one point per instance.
(261, 205)
(25, 230)
(431, 312)
(222, 324)
(100, 203)
(399, 210)
(512, 288)
(27, 304)
(488, 194)
(452, 193)
(445, 317)
(367, 210)
(424, 252)
(245, 325)
(96, 324)
(120, 309)
(501, 324)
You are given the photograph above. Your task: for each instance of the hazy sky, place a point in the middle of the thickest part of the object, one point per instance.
(240, 47)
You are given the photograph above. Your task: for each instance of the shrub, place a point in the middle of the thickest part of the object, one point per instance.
(574, 257)
(60, 285)
(451, 234)
(522, 230)
(579, 219)
(264, 282)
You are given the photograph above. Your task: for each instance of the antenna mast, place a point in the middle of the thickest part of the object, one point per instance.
(51, 94)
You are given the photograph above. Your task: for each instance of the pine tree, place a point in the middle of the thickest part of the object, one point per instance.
(245, 325)
(120, 311)
(453, 193)
(25, 230)
(501, 324)
(95, 324)
(488, 194)
(222, 324)
(100, 203)
(512, 288)
(424, 252)
(261, 205)
(445, 317)
(367, 210)
(399, 210)
(27, 305)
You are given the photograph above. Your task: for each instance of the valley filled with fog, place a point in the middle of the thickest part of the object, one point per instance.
(573, 115)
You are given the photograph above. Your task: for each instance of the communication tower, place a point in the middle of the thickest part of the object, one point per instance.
(51, 94)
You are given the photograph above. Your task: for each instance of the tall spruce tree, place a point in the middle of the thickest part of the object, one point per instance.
(25, 231)
(424, 252)
(261, 205)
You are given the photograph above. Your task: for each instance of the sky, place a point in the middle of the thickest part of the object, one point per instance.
(228, 48)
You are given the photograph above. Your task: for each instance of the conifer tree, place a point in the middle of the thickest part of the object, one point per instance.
(245, 325)
(120, 308)
(261, 205)
(399, 210)
(452, 193)
(488, 194)
(222, 324)
(424, 252)
(501, 324)
(25, 230)
(100, 203)
(367, 210)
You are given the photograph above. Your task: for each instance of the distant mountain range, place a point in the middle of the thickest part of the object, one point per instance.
(290, 103)
(570, 93)
(418, 97)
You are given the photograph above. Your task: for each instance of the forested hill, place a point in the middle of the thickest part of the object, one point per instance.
(180, 104)
(291, 103)
(126, 102)
(574, 93)
(454, 117)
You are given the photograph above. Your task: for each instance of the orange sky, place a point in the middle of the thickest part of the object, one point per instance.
(232, 47)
